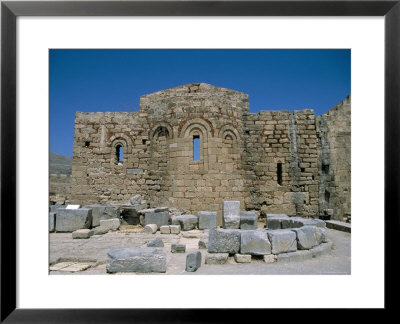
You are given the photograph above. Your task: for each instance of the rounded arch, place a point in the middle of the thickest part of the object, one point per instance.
(230, 147)
(197, 124)
(229, 130)
(123, 140)
(162, 128)
(160, 135)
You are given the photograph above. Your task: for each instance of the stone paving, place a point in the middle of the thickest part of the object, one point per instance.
(93, 252)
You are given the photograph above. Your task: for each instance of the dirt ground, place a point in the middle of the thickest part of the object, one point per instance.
(89, 256)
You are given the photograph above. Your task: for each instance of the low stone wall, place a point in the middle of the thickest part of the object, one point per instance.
(291, 239)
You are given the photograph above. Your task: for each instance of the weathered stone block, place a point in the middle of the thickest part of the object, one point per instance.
(148, 259)
(292, 222)
(82, 234)
(160, 209)
(339, 226)
(231, 214)
(321, 249)
(150, 228)
(175, 229)
(306, 237)
(193, 261)
(231, 222)
(282, 241)
(255, 242)
(178, 248)
(156, 243)
(297, 222)
(165, 229)
(314, 222)
(145, 211)
(158, 218)
(321, 235)
(224, 241)
(53, 208)
(270, 258)
(100, 230)
(203, 242)
(207, 219)
(273, 223)
(187, 221)
(278, 215)
(242, 258)
(216, 258)
(231, 208)
(248, 220)
(100, 212)
(52, 220)
(69, 220)
(111, 224)
(274, 220)
(136, 200)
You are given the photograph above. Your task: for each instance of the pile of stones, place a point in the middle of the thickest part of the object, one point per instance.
(159, 219)
(284, 237)
(84, 222)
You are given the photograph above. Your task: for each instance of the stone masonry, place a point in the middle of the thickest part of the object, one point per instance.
(271, 160)
(334, 163)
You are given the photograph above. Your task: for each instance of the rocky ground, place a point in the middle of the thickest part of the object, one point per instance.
(89, 256)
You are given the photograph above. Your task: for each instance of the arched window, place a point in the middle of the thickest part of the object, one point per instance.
(228, 141)
(196, 148)
(119, 153)
(121, 149)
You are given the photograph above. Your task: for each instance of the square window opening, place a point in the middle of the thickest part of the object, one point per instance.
(279, 173)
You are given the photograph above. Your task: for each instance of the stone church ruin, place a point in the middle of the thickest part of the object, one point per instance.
(277, 162)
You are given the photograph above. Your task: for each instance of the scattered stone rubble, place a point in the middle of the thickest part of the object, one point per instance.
(284, 238)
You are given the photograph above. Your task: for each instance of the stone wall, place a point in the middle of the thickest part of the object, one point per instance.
(334, 134)
(268, 161)
(282, 145)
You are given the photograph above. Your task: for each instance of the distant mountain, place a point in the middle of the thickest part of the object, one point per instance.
(60, 164)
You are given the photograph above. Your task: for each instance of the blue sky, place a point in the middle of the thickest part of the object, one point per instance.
(114, 80)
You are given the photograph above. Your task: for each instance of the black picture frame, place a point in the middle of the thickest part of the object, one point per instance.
(10, 10)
